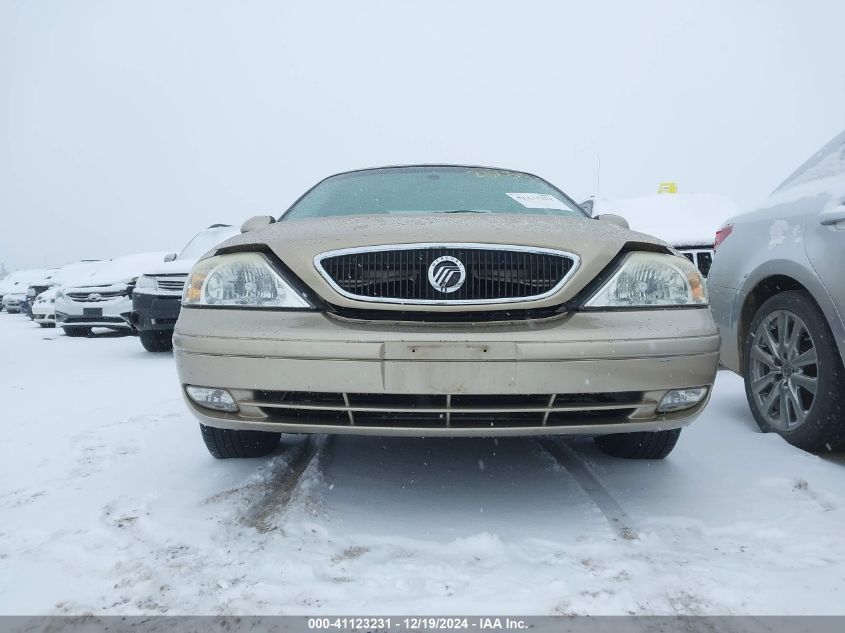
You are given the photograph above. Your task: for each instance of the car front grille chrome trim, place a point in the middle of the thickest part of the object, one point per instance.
(94, 297)
(400, 273)
(171, 284)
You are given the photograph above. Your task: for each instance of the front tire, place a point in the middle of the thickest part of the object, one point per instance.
(76, 331)
(46, 325)
(226, 443)
(156, 340)
(641, 445)
(791, 369)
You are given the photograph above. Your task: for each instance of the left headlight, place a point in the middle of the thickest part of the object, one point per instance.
(145, 282)
(240, 280)
(652, 279)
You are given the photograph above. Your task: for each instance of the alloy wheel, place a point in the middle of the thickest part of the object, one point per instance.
(784, 370)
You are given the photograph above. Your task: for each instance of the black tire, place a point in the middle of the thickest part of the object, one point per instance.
(156, 340)
(225, 443)
(823, 428)
(46, 325)
(641, 445)
(76, 331)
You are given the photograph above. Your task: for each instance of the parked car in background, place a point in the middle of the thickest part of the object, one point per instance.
(35, 289)
(444, 301)
(778, 294)
(13, 288)
(44, 307)
(687, 221)
(102, 298)
(157, 298)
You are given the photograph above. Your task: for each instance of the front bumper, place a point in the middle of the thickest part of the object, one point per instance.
(588, 373)
(44, 313)
(154, 311)
(113, 313)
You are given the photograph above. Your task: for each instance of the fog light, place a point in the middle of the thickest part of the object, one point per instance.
(212, 398)
(679, 399)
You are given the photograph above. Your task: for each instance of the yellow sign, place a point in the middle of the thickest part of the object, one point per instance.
(668, 187)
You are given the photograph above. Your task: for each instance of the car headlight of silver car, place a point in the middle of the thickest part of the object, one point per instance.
(652, 279)
(240, 280)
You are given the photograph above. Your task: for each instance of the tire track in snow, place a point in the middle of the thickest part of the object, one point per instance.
(283, 483)
(584, 476)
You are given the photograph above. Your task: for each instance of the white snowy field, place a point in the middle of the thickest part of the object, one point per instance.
(109, 503)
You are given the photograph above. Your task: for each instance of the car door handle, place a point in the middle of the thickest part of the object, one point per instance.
(834, 216)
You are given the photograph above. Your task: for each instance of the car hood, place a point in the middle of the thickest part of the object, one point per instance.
(176, 267)
(298, 242)
(115, 286)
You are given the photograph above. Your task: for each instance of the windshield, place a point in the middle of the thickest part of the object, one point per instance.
(434, 189)
(828, 162)
(204, 241)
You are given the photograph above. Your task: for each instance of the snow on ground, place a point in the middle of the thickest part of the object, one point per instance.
(110, 504)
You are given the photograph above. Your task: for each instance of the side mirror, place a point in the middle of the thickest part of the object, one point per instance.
(612, 218)
(257, 222)
(170, 257)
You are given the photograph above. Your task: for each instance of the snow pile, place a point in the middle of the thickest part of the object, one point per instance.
(681, 219)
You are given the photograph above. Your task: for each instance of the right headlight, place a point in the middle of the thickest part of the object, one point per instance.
(240, 280)
(652, 279)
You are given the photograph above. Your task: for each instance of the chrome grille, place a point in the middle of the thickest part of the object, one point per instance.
(170, 284)
(400, 273)
(444, 411)
(94, 296)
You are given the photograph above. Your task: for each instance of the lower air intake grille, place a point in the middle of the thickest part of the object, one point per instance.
(444, 411)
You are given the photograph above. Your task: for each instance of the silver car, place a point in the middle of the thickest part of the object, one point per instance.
(777, 288)
(444, 301)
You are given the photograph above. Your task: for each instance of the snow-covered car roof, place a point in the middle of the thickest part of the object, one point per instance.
(20, 280)
(69, 274)
(46, 278)
(120, 269)
(680, 219)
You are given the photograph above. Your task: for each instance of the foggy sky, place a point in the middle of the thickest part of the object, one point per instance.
(127, 127)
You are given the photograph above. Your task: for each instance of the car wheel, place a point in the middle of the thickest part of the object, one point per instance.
(76, 331)
(157, 340)
(642, 445)
(46, 324)
(792, 370)
(226, 443)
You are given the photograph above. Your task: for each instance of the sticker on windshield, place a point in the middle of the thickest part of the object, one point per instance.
(538, 201)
